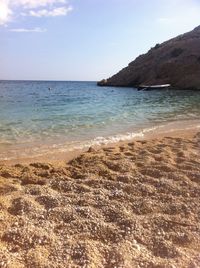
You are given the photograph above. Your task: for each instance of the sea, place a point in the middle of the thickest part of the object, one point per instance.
(42, 117)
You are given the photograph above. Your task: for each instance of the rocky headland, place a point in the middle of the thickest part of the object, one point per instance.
(175, 62)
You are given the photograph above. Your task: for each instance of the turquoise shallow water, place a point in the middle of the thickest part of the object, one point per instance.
(72, 113)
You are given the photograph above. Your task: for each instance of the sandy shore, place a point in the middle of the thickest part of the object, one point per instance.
(65, 151)
(135, 204)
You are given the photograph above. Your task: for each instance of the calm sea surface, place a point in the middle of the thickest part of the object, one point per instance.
(71, 114)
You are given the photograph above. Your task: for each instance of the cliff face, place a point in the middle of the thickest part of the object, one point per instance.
(175, 62)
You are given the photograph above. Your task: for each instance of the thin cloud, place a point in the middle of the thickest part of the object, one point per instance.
(9, 9)
(165, 20)
(24, 30)
(59, 11)
(182, 14)
(37, 3)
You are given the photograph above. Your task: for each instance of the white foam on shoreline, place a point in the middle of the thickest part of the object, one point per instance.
(50, 149)
(166, 128)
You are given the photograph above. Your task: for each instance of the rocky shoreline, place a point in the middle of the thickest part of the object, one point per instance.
(175, 62)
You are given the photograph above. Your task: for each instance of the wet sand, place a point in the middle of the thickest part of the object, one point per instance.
(132, 204)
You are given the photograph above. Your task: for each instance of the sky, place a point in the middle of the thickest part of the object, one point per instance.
(85, 39)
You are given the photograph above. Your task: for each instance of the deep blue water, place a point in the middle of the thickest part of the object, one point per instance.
(71, 112)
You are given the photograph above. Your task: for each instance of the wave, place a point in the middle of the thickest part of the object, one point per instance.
(140, 134)
(34, 150)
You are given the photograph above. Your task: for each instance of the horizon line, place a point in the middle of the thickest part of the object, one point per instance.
(45, 80)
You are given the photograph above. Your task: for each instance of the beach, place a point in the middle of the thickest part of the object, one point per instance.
(129, 204)
(99, 134)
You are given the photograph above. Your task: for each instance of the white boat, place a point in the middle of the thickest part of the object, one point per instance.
(151, 87)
